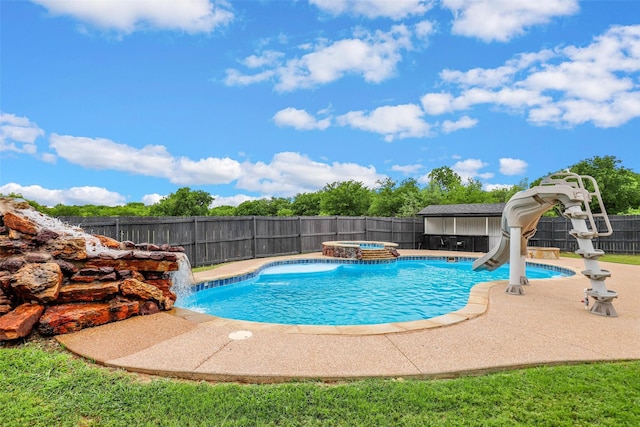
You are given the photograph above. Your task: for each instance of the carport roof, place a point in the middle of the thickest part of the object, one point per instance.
(465, 209)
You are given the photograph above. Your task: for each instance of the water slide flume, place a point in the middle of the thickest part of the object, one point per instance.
(520, 218)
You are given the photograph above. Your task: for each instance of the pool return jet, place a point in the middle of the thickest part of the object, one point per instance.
(520, 218)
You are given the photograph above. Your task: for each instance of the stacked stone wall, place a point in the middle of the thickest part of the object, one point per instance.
(58, 279)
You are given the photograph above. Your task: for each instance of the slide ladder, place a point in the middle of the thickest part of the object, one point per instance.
(584, 230)
(520, 217)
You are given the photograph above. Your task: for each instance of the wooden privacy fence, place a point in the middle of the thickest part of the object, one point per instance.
(213, 240)
(554, 232)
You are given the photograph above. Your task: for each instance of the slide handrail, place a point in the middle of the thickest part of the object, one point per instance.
(577, 181)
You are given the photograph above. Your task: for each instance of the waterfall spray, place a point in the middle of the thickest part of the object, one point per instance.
(182, 280)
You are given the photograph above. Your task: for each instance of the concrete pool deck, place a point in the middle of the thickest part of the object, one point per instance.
(497, 331)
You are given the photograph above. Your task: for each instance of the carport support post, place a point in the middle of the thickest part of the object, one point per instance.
(515, 261)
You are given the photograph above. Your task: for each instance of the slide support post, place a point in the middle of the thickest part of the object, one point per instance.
(515, 262)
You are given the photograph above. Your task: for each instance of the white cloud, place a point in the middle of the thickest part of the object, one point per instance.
(394, 122)
(437, 103)
(151, 160)
(499, 76)
(92, 195)
(127, 16)
(291, 173)
(397, 9)
(407, 169)
(507, 97)
(480, 76)
(287, 174)
(18, 134)
(236, 78)
(502, 20)
(491, 187)
(211, 170)
(465, 122)
(48, 158)
(509, 166)
(424, 29)
(373, 56)
(266, 58)
(299, 119)
(596, 82)
(69, 196)
(565, 87)
(470, 168)
(102, 153)
(424, 179)
(577, 79)
(151, 199)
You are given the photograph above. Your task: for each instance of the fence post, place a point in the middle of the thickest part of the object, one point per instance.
(255, 238)
(118, 229)
(366, 228)
(195, 240)
(300, 234)
(413, 235)
(391, 240)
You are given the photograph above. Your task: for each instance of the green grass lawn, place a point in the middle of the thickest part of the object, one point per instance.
(43, 385)
(622, 259)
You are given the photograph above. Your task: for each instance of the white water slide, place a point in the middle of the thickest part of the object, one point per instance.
(520, 218)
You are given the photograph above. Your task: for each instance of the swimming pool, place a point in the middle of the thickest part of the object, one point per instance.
(348, 293)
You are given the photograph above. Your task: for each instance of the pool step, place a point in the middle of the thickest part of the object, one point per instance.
(374, 254)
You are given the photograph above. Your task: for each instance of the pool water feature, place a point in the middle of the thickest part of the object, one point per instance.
(350, 293)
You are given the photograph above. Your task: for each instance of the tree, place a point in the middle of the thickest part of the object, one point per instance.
(412, 204)
(347, 198)
(385, 200)
(285, 212)
(619, 186)
(280, 206)
(259, 207)
(276, 206)
(306, 204)
(184, 202)
(62, 210)
(225, 210)
(133, 209)
(444, 187)
(395, 199)
(471, 192)
(444, 179)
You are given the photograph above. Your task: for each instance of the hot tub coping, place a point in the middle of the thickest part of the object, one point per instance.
(357, 243)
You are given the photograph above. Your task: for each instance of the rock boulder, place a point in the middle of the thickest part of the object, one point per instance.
(59, 279)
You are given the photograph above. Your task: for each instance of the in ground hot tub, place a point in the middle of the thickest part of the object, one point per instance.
(543, 253)
(365, 250)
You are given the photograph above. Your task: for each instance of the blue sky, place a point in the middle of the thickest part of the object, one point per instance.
(116, 101)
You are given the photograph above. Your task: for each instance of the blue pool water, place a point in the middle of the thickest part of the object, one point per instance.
(364, 245)
(349, 293)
